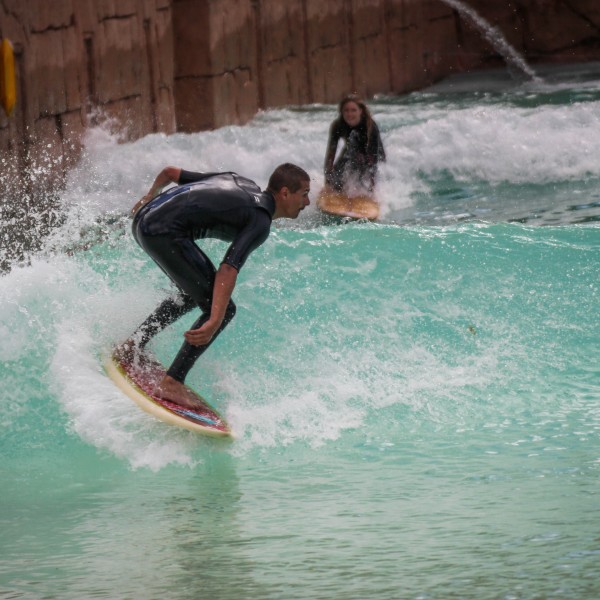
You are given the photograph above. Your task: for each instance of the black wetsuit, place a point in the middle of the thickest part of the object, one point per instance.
(362, 153)
(225, 206)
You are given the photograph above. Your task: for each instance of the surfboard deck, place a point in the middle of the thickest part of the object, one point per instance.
(355, 207)
(138, 379)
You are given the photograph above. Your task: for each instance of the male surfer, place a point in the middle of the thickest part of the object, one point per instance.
(224, 206)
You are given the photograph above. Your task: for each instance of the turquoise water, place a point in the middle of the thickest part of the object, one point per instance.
(416, 401)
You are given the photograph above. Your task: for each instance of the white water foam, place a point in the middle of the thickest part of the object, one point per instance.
(67, 313)
(113, 176)
(102, 415)
(492, 143)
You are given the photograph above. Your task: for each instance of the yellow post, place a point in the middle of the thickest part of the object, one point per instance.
(8, 83)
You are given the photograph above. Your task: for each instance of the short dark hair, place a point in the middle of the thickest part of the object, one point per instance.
(289, 176)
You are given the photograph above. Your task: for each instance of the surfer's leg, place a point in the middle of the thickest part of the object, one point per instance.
(194, 273)
(167, 312)
(172, 387)
(337, 177)
(188, 354)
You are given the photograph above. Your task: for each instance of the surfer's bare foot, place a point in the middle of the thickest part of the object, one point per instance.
(178, 393)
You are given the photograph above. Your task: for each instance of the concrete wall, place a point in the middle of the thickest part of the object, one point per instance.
(268, 53)
(142, 66)
(78, 62)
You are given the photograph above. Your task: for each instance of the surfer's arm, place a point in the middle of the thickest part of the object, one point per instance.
(165, 177)
(225, 281)
(247, 240)
(374, 154)
(332, 143)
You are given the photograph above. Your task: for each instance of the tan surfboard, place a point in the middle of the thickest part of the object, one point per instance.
(341, 205)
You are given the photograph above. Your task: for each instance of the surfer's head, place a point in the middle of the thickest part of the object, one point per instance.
(290, 186)
(287, 175)
(354, 112)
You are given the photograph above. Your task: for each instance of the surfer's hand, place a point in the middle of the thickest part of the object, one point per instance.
(202, 335)
(144, 200)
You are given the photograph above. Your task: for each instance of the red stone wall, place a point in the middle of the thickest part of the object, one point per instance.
(215, 77)
(79, 62)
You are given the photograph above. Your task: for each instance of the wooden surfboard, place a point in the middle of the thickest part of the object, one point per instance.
(138, 379)
(355, 207)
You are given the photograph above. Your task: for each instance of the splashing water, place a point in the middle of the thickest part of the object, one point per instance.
(494, 37)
